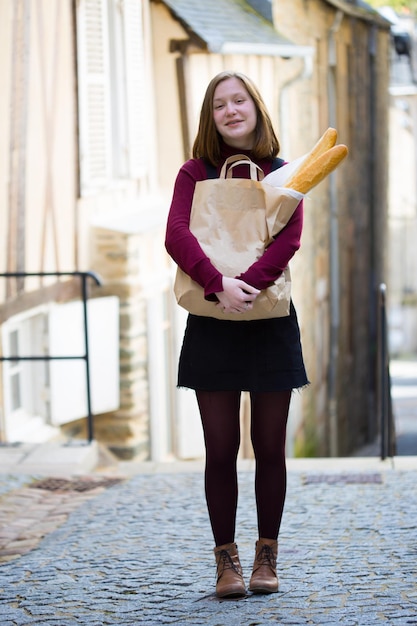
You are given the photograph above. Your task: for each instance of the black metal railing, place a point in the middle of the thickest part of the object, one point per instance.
(386, 417)
(84, 276)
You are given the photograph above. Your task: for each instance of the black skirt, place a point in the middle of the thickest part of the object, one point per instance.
(258, 356)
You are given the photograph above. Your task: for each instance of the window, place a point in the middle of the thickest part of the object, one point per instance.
(111, 91)
(40, 395)
(25, 383)
(15, 372)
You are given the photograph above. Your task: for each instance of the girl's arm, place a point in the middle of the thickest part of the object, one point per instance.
(180, 243)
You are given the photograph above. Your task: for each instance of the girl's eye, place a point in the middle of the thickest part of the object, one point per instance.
(218, 106)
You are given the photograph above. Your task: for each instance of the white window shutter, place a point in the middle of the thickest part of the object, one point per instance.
(94, 92)
(136, 92)
(68, 390)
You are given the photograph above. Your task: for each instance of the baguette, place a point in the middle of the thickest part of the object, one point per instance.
(326, 141)
(311, 175)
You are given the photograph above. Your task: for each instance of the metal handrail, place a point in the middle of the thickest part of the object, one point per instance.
(86, 356)
(385, 399)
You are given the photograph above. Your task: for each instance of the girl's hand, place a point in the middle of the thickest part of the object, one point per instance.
(237, 296)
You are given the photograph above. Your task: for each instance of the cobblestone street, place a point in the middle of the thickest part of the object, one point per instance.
(130, 543)
(140, 552)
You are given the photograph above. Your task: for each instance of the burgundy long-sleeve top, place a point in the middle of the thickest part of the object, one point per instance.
(185, 250)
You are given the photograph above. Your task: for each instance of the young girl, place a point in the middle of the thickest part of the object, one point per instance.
(221, 358)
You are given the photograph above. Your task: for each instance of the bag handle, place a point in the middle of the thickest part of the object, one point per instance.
(256, 172)
(241, 159)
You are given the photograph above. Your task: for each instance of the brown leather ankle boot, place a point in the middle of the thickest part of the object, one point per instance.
(229, 572)
(264, 574)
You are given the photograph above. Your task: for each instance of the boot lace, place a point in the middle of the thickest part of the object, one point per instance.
(266, 556)
(226, 562)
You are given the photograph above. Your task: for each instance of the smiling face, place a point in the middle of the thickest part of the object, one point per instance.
(234, 113)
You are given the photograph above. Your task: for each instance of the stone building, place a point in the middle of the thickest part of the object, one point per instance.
(345, 239)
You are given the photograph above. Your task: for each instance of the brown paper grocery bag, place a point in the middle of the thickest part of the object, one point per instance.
(234, 220)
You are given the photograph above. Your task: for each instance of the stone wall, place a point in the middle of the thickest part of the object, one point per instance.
(116, 257)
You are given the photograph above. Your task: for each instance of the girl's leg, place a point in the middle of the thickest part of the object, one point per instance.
(220, 418)
(268, 432)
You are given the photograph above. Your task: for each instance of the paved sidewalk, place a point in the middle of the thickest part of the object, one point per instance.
(404, 398)
(140, 552)
(52, 458)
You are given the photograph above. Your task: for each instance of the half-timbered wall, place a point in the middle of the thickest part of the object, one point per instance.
(38, 140)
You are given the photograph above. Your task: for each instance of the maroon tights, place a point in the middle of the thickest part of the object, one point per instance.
(220, 417)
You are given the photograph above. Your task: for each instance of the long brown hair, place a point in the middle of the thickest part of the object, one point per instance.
(207, 143)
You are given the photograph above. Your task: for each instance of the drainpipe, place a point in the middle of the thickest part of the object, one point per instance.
(376, 268)
(285, 124)
(334, 249)
(183, 81)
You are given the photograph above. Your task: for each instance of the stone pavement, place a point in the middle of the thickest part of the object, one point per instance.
(140, 551)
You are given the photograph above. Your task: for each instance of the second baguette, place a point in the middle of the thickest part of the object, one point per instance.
(326, 141)
(311, 175)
